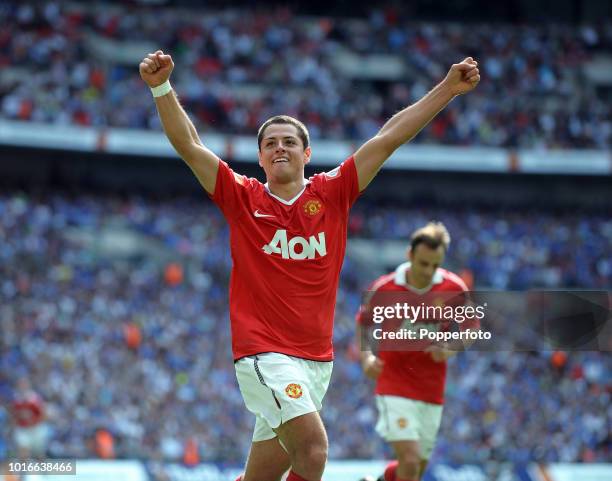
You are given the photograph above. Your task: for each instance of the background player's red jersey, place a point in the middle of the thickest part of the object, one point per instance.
(286, 257)
(28, 410)
(411, 374)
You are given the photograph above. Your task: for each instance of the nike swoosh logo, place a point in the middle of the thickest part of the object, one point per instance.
(259, 214)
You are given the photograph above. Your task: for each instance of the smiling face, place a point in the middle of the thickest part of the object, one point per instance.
(282, 154)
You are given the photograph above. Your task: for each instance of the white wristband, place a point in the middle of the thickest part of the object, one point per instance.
(162, 89)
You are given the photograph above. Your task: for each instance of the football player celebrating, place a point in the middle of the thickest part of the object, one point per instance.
(288, 240)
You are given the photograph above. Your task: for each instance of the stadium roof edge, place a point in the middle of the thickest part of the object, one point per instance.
(326, 152)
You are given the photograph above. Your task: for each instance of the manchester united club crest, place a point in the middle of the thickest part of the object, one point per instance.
(294, 391)
(312, 207)
(402, 423)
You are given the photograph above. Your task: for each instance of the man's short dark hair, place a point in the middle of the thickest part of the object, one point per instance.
(284, 119)
(433, 235)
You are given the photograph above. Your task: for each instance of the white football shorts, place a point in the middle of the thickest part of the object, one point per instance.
(404, 419)
(277, 387)
(34, 438)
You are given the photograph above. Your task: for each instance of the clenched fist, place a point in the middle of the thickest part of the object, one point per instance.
(463, 77)
(156, 68)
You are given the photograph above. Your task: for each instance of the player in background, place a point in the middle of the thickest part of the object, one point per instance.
(288, 243)
(31, 432)
(410, 382)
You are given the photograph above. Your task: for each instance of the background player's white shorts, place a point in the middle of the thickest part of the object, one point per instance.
(33, 438)
(403, 419)
(276, 388)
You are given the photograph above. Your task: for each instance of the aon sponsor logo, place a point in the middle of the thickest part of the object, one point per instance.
(297, 247)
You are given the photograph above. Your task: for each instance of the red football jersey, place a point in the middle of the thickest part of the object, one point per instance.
(410, 373)
(28, 410)
(286, 258)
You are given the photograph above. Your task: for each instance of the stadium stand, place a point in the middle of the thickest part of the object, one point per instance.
(71, 63)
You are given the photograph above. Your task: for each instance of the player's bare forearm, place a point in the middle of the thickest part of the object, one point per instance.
(365, 354)
(155, 70)
(363, 343)
(159, 101)
(177, 125)
(404, 125)
(361, 340)
(371, 365)
(184, 138)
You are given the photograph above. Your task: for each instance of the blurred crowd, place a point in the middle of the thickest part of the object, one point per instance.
(507, 249)
(77, 63)
(115, 309)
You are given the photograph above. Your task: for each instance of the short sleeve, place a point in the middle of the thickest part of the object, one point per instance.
(341, 185)
(230, 188)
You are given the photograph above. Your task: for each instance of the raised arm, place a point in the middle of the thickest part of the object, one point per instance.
(404, 125)
(155, 70)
